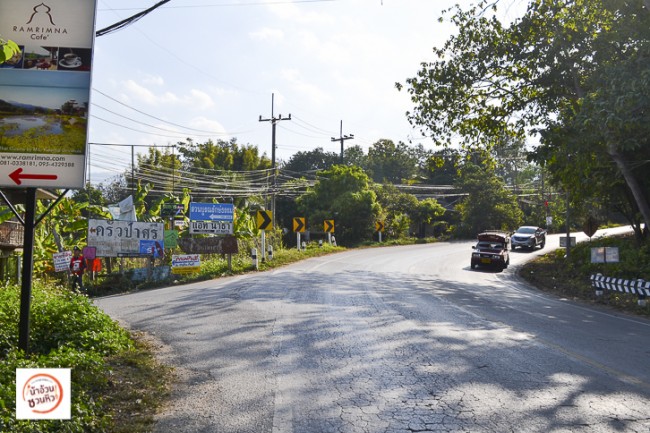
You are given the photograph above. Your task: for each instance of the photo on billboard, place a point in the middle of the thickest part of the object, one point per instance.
(44, 114)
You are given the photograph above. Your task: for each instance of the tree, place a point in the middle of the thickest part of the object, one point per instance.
(613, 121)
(222, 155)
(311, 161)
(402, 210)
(390, 162)
(488, 204)
(397, 209)
(157, 171)
(93, 196)
(492, 82)
(342, 193)
(354, 155)
(441, 167)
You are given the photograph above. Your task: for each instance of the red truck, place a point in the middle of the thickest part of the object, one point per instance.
(491, 250)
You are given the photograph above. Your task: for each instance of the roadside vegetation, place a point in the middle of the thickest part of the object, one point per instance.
(116, 383)
(570, 277)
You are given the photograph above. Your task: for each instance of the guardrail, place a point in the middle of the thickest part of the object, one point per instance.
(639, 287)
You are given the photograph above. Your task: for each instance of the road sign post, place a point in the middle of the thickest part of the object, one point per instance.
(379, 227)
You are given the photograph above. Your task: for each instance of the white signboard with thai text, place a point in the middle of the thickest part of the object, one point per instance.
(211, 227)
(62, 261)
(126, 238)
(186, 263)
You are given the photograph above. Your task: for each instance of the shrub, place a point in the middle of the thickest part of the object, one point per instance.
(67, 331)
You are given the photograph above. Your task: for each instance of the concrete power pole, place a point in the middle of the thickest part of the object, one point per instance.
(274, 120)
(342, 138)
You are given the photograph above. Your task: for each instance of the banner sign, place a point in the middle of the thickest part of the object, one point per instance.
(604, 255)
(212, 212)
(62, 261)
(220, 245)
(186, 263)
(45, 92)
(211, 227)
(126, 238)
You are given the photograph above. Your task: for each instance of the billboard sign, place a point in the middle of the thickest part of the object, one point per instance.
(126, 238)
(45, 92)
(186, 263)
(212, 212)
(211, 228)
(216, 245)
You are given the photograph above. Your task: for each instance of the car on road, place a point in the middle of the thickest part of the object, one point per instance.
(491, 250)
(529, 237)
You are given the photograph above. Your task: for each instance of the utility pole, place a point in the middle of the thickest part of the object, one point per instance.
(274, 120)
(342, 138)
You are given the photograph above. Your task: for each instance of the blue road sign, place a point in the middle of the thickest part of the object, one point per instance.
(212, 212)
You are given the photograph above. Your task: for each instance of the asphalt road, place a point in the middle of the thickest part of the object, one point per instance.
(401, 340)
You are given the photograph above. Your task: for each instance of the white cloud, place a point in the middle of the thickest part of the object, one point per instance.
(313, 93)
(206, 124)
(267, 34)
(296, 13)
(154, 80)
(199, 99)
(196, 99)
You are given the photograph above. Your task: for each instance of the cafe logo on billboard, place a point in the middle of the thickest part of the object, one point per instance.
(41, 24)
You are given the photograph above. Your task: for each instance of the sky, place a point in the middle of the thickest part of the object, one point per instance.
(207, 69)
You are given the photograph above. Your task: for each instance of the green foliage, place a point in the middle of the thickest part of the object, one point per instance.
(576, 72)
(488, 205)
(67, 331)
(343, 194)
(401, 211)
(8, 49)
(222, 155)
(390, 162)
(570, 277)
(311, 161)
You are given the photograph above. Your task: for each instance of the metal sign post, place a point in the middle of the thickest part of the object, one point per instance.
(28, 267)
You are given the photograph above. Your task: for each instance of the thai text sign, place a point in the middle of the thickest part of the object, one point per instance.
(220, 245)
(62, 261)
(119, 238)
(186, 263)
(212, 212)
(43, 393)
(45, 92)
(211, 227)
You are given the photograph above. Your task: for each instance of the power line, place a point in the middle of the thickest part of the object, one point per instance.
(230, 4)
(128, 21)
(163, 120)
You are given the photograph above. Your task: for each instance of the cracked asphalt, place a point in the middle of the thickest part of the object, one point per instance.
(395, 340)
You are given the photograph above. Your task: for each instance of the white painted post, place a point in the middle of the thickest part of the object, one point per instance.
(254, 257)
(642, 298)
(599, 291)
